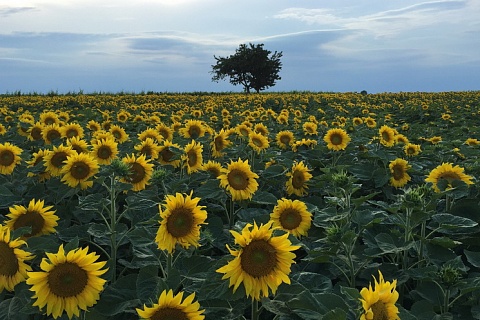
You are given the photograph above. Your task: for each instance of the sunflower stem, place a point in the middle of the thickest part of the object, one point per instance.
(255, 310)
(113, 226)
(169, 264)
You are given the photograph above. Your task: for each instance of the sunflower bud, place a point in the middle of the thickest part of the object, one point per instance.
(119, 168)
(449, 275)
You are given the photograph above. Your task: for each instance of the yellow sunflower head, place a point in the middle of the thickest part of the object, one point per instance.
(310, 128)
(69, 282)
(169, 154)
(449, 173)
(78, 169)
(258, 141)
(39, 217)
(193, 157)
(379, 302)
(150, 133)
(55, 159)
(9, 157)
(78, 144)
(213, 167)
(298, 178)
(71, 130)
(13, 268)
(165, 131)
(170, 306)
(398, 169)
(51, 133)
(411, 149)
(180, 222)
(105, 150)
(148, 147)
(193, 129)
(118, 133)
(387, 136)
(336, 139)
(285, 139)
(291, 216)
(262, 261)
(140, 171)
(239, 180)
(35, 132)
(219, 143)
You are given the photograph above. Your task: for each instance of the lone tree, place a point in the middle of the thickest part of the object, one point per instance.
(251, 66)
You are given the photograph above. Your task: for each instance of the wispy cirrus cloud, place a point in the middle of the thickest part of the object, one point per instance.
(8, 11)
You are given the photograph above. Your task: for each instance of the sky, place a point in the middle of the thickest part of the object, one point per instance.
(169, 45)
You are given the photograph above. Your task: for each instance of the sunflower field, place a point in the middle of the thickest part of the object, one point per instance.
(194, 206)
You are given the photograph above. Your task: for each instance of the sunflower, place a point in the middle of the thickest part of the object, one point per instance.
(123, 116)
(291, 216)
(105, 150)
(51, 132)
(9, 157)
(148, 147)
(400, 138)
(39, 217)
(140, 171)
(165, 131)
(119, 133)
(285, 139)
(180, 222)
(379, 303)
(336, 139)
(78, 169)
(387, 136)
(71, 130)
(193, 156)
(78, 144)
(370, 122)
(3, 130)
(411, 149)
(262, 261)
(49, 117)
(449, 173)
(298, 179)
(434, 140)
(304, 144)
(243, 130)
(398, 169)
(13, 268)
(55, 159)
(150, 133)
(22, 127)
(171, 306)
(472, 142)
(239, 180)
(93, 125)
(261, 128)
(213, 167)
(36, 159)
(357, 121)
(68, 282)
(193, 129)
(310, 128)
(258, 141)
(220, 142)
(167, 154)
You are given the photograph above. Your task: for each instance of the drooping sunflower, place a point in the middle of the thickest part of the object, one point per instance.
(411, 149)
(434, 140)
(169, 154)
(298, 178)
(193, 157)
(193, 129)
(398, 169)
(310, 128)
(39, 217)
(262, 262)
(285, 139)
(140, 171)
(213, 167)
(170, 306)
(71, 130)
(78, 169)
(472, 142)
(36, 159)
(51, 132)
(149, 148)
(257, 141)
(180, 222)
(105, 150)
(9, 157)
(13, 268)
(55, 159)
(69, 282)
(291, 216)
(78, 144)
(219, 143)
(336, 139)
(119, 133)
(448, 172)
(387, 136)
(239, 180)
(304, 144)
(379, 302)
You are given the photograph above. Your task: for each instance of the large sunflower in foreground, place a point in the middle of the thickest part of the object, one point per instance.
(69, 282)
(55, 159)
(448, 172)
(39, 217)
(239, 180)
(262, 261)
(379, 302)
(298, 179)
(9, 157)
(13, 268)
(140, 171)
(78, 169)
(170, 306)
(336, 139)
(180, 222)
(193, 157)
(291, 216)
(398, 169)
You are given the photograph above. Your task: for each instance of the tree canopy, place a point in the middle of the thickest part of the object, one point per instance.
(251, 66)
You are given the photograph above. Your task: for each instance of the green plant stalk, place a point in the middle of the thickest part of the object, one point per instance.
(255, 311)
(169, 264)
(113, 226)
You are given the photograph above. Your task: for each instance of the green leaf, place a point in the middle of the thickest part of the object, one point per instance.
(451, 224)
(10, 309)
(149, 284)
(119, 296)
(262, 197)
(315, 282)
(71, 245)
(473, 257)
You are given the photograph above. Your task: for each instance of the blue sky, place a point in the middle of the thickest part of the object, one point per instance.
(168, 45)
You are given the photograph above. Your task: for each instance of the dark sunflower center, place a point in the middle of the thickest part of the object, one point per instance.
(257, 142)
(410, 150)
(379, 311)
(53, 135)
(30, 219)
(218, 143)
(398, 172)
(77, 148)
(298, 179)
(166, 154)
(36, 133)
(237, 179)
(180, 222)
(194, 132)
(104, 152)
(8, 260)
(163, 133)
(80, 170)
(147, 151)
(6, 158)
(136, 173)
(169, 314)
(72, 133)
(67, 280)
(336, 139)
(258, 258)
(49, 120)
(290, 219)
(117, 134)
(214, 171)
(449, 176)
(192, 158)
(244, 132)
(386, 136)
(58, 159)
(285, 139)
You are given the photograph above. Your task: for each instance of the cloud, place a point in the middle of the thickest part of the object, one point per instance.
(8, 11)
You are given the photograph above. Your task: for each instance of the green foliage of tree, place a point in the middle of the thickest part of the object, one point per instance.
(251, 66)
